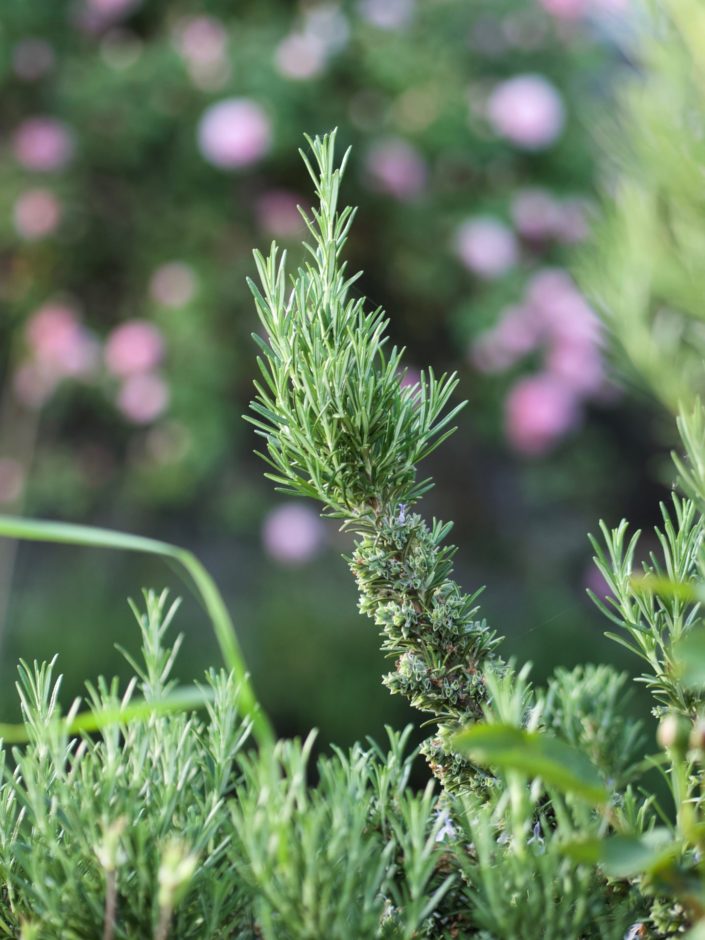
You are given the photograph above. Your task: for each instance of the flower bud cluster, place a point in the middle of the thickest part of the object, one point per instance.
(429, 626)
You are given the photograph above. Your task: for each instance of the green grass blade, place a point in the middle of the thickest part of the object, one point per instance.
(36, 530)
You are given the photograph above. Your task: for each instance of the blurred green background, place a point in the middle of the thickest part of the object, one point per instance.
(145, 149)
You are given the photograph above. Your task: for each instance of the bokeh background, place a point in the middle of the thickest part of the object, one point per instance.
(146, 147)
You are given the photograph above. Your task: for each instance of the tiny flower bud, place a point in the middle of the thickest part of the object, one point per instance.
(673, 733)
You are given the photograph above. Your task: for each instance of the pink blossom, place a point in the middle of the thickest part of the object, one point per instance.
(173, 284)
(43, 144)
(539, 410)
(134, 346)
(536, 214)
(595, 581)
(528, 111)
(486, 246)
(277, 213)
(514, 336)
(36, 214)
(12, 479)
(143, 397)
(578, 365)
(300, 56)
(32, 59)
(397, 168)
(203, 43)
(566, 9)
(33, 386)
(387, 14)
(292, 533)
(59, 344)
(233, 133)
(202, 39)
(561, 309)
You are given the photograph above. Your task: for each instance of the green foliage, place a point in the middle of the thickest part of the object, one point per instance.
(342, 428)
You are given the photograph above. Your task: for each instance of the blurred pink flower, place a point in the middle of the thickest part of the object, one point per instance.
(536, 214)
(36, 214)
(143, 397)
(561, 309)
(300, 56)
(566, 9)
(59, 344)
(134, 346)
(202, 42)
(202, 39)
(514, 336)
(292, 533)
(234, 133)
(12, 479)
(109, 11)
(32, 59)
(277, 213)
(539, 410)
(387, 14)
(527, 110)
(397, 168)
(173, 284)
(486, 246)
(594, 580)
(578, 365)
(43, 144)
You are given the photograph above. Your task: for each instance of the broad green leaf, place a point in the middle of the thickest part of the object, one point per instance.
(626, 856)
(689, 656)
(538, 755)
(36, 530)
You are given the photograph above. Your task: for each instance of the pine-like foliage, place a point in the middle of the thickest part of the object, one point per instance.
(341, 427)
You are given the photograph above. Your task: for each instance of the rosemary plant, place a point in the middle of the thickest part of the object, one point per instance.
(341, 427)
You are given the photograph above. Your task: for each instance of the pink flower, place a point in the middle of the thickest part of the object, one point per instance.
(397, 168)
(59, 344)
(32, 59)
(292, 533)
(536, 214)
(43, 144)
(528, 111)
(173, 284)
(514, 336)
(486, 246)
(578, 365)
(387, 14)
(566, 9)
(277, 213)
(300, 56)
(143, 397)
(134, 346)
(12, 479)
(202, 39)
(203, 44)
(539, 410)
(234, 133)
(561, 309)
(36, 214)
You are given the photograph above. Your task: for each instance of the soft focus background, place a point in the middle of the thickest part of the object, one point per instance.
(145, 149)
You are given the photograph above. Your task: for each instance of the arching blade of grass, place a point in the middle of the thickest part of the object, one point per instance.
(36, 530)
(186, 699)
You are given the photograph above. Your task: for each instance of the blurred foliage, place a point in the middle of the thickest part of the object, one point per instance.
(114, 209)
